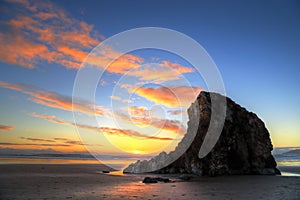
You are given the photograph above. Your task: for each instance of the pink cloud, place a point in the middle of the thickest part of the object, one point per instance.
(177, 112)
(46, 33)
(160, 72)
(41, 32)
(55, 100)
(62, 141)
(116, 98)
(104, 130)
(6, 128)
(143, 116)
(175, 96)
(179, 68)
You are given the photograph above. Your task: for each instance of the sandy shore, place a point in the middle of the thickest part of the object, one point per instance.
(87, 182)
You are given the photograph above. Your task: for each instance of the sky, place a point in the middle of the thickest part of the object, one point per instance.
(254, 44)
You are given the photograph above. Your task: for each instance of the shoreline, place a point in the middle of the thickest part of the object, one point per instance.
(85, 181)
(286, 170)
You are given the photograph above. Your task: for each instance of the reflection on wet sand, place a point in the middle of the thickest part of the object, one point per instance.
(85, 182)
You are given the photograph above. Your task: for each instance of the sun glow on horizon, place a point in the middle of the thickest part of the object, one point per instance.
(140, 102)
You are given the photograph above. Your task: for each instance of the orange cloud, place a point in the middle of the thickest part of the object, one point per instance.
(47, 33)
(41, 33)
(45, 16)
(104, 130)
(143, 116)
(170, 125)
(131, 133)
(2, 144)
(17, 50)
(139, 111)
(124, 63)
(161, 72)
(76, 55)
(179, 68)
(115, 98)
(37, 139)
(175, 96)
(64, 144)
(6, 128)
(177, 112)
(113, 61)
(44, 32)
(63, 141)
(55, 100)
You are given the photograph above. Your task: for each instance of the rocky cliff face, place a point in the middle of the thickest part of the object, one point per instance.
(244, 146)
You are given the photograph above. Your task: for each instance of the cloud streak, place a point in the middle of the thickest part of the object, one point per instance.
(142, 117)
(104, 130)
(39, 32)
(55, 141)
(173, 97)
(55, 100)
(160, 72)
(42, 32)
(6, 128)
(177, 112)
(37, 139)
(34, 144)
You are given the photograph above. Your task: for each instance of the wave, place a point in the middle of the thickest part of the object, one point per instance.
(289, 156)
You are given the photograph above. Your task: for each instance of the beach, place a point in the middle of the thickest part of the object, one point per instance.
(87, 181)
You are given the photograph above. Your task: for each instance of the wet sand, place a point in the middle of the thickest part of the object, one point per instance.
(88, 182)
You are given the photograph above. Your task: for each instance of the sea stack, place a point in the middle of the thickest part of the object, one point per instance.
(243, 148)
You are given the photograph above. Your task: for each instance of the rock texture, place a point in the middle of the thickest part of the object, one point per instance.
(156, 180)
(244, 146)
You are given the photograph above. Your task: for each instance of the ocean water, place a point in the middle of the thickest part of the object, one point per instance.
(287, 157)
(288, 160)
(61, 159)
(44, 160)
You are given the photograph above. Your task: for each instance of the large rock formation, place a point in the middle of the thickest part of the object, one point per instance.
(244, 146)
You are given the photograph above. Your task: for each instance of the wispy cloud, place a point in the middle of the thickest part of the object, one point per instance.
(177, 112)
(55, 141)
(6, 128)
(121, 65)
(143, 116)
(37, 139)
(33, 144)
(104, 130)
(174, 96)
(43, 32)
(116, 98)
(140, 111)
(179, 68)
(160, 72)
(55, 100)
(39, 32)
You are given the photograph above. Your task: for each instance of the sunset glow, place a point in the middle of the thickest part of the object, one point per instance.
(43, 46)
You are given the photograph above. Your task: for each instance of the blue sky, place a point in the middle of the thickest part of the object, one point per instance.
(255, 45)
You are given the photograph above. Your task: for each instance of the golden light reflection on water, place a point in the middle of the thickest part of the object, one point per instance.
(133, 189)
(139, 190)
(289, 163)
(115, 164)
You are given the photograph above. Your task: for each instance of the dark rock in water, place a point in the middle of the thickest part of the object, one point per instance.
(155, 180)
(185, 177)
(106, 171)
(149, 180)
(244, 146)
(165, 180)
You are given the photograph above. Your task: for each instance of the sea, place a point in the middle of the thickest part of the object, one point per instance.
(287, 158)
